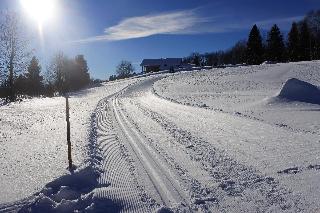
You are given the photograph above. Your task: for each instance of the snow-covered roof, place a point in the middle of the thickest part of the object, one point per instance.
(161, 61)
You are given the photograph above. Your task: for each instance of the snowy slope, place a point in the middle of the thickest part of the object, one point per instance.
(221, 140)
(33, 139)
(248, 91)
(243, 116)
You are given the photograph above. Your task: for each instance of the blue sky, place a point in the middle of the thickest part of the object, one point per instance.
(109, 31)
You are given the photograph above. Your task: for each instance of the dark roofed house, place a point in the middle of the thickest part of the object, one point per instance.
(155, 65)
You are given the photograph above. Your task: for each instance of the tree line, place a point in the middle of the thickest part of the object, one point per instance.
(21, 73)
(301, 44)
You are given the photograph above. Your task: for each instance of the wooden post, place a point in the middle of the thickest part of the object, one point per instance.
(68, 133)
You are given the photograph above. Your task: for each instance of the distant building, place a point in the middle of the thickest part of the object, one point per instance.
(155, 65)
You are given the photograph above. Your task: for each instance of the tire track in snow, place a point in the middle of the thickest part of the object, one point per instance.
(118, 171)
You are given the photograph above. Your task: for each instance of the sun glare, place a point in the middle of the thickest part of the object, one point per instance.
(39, 10)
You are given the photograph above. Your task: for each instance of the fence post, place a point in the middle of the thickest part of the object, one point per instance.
(68, 133)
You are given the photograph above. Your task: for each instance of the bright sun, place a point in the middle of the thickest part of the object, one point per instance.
(39, 10)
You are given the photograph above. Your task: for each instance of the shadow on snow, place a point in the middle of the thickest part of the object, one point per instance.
(71, 192)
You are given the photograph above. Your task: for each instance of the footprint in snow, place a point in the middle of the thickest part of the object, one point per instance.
(293, 170)
(315, 167)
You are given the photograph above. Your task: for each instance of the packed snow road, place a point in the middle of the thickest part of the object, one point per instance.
(192, 159)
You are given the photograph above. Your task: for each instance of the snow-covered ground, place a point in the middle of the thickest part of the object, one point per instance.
(220, 140)
(33, 148)
(246, 118)
(248, 91)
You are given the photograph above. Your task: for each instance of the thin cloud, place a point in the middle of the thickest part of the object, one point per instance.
(179, 22)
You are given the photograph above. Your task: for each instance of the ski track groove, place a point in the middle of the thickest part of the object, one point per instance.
(123, 188)
(196, 189)
(231, 174)
(162, 181)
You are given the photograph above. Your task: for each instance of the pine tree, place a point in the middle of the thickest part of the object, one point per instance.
(195, 58)
(293, 43)
(313, 21)
(238, 52)
(275, 45)
(34, 78)
(305, 42)
(68, 74)
(83, 71)
(254, 47)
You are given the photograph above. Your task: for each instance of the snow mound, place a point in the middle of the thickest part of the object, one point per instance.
(72, 193)
(297, 90)
(164, 209)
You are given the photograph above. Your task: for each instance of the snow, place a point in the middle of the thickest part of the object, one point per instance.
(33, 139)
(239, 114)
(70, 193)
(297, 90)
(248, 91)
(238, 139)
(66, 188)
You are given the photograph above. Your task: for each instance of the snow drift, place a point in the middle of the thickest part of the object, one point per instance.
(297, 90)
(70, 193)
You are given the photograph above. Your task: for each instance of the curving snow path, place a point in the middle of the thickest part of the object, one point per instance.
(192, 159)
(155, 154)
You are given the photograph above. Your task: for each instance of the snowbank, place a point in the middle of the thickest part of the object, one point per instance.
(70, 193)
(297, 90)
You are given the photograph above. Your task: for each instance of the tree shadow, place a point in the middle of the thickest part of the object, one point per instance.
(85, 91)
(310, 110)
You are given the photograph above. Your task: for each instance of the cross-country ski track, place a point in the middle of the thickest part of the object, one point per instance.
(175, 164)
(201, 141)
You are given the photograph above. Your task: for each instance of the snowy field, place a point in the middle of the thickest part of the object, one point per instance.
(221, 140)
(249, 92)
(33, 139)
(277, 136)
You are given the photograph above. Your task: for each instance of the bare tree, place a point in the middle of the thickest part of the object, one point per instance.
(125, 69)
(14, 53)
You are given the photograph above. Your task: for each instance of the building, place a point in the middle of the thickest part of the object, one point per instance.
(155, 65)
